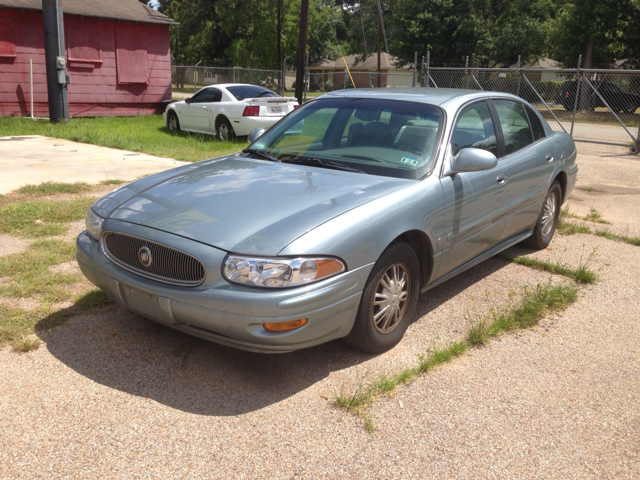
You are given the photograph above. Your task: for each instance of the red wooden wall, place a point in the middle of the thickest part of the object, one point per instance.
(117, 67)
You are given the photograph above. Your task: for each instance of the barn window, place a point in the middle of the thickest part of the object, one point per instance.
(7, 45)
(83, 43)
(131, 53)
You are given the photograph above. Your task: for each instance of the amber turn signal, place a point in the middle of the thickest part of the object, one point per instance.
(285, 326)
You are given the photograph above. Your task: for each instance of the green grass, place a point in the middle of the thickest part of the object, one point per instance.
(41, 218)
(26, 344)
(27, 273)
(614, 236)
(566, 227)
(582, 274)
(112, 181)
(15, 324)
(534, 305)
(532, 308)
(53, 188)
(587, 189)
(146, 134)
(595, 216)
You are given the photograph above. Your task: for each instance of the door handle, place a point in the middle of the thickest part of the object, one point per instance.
(549, 158)
(502, 179)
(204, 108)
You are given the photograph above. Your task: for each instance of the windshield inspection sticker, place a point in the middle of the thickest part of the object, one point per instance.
(409, 160)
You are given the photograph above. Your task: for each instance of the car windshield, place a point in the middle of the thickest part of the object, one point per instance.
(379, 137)
(250, 91)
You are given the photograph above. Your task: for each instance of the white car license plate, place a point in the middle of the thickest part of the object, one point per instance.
(276, 109)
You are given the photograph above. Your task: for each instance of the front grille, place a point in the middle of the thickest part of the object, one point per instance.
(161, 263)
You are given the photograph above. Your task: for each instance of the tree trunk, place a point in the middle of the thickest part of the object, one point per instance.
(586, 93)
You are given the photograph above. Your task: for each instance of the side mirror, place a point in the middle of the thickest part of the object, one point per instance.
(187, 100)
(472, 160)
(255, 134)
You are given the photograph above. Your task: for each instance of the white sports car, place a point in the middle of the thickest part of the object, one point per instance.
(228, 110)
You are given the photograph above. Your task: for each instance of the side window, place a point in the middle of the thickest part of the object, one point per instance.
(207, 96)
(515, 126)
(474, 128)
(536, 126)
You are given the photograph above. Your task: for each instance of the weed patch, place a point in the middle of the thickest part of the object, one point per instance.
(26, 344)
(534, 305)
(42, 218)
(112, 181)
(28, 272)
(582, 274)
(614, 236)
(54, 188)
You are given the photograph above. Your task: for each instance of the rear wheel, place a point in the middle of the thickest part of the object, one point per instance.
(388, 302)
(548, 219)
(172, 121)
(225, 130)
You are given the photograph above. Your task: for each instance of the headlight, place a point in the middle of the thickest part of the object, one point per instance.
(279, 272)
(94, 224)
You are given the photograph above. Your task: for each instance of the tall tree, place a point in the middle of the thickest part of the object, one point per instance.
(493, 32)
(602, 31)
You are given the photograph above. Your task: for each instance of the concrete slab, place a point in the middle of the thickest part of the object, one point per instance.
(35, 159)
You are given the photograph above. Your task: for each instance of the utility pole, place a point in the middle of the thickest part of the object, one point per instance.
(379, 13)
(302, 48)
(55, 61)
(279, 34)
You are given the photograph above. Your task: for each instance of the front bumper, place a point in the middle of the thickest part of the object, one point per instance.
(226, 313)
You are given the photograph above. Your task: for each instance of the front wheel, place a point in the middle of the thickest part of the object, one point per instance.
(548, 219)
(388, 302)
(172, 121)
(225, 130)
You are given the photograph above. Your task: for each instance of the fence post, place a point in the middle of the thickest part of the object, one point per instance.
(519, 79)
(415, 69)
(575, 102)
(234, 74)
(195, 77)
(428, 63)
(422, 72)
(466, 73)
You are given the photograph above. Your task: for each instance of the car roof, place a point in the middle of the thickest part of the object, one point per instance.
(227, 85)
(432, 96)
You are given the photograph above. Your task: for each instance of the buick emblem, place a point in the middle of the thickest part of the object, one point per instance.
(144, 255)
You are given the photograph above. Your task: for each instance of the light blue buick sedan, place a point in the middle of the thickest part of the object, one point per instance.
(332, 222)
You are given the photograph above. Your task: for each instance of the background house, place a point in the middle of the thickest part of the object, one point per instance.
(117, 56)
(363, 72)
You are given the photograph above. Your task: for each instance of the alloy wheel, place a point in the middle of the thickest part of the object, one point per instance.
(390, 301)
(549, 213)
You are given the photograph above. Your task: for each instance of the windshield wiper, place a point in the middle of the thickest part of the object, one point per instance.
(264, 155)
(323, 163)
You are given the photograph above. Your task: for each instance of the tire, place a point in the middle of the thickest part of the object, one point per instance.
(172, 121)
(375, 331)
(225, 130)
(547, 220)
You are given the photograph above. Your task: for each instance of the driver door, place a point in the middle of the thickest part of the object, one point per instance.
(197, 115)
(476, 203)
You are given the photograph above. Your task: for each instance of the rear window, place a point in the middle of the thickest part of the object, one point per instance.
(250, 91)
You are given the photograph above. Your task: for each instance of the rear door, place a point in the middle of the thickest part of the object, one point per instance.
(532, 158)
(475, 202)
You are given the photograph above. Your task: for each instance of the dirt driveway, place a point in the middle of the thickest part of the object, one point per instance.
(111, 394)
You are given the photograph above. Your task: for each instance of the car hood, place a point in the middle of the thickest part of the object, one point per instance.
(243, 205)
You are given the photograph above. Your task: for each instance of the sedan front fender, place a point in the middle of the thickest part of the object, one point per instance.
(360, 235)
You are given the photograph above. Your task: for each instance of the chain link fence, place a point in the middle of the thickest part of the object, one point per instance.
(597, 106)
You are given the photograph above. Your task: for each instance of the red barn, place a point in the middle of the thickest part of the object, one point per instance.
(117, 57)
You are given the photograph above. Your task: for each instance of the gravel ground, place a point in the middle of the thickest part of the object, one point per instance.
(112, 394)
